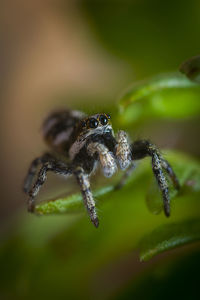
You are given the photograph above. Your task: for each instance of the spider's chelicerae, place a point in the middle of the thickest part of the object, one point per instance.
(84, 141)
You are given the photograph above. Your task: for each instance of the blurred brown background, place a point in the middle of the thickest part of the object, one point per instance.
(47, 51)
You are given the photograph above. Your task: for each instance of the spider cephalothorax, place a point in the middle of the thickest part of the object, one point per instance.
(85, 141)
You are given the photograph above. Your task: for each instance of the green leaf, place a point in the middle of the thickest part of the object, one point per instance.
(67, 204)
(172, 96)
(169, 236)
(153, 198)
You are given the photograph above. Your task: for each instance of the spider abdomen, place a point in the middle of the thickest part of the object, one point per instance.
(60, 129)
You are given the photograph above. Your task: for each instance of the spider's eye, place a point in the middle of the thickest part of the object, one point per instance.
(103, 120)
(93, 123)
(108, 116)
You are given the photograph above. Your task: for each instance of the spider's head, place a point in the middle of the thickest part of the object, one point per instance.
(96, 124)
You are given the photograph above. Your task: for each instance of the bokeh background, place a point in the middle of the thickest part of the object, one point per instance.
(77, 53)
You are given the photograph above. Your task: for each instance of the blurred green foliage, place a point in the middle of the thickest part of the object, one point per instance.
(151, 36)
(160, 98)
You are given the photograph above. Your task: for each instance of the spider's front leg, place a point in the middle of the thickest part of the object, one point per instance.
(108, 164)
(124, 157)
(106, 157)
(50, 165)
(143, 148)
(123, 150)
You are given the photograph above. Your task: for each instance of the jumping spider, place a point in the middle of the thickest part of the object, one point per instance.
(85, 141)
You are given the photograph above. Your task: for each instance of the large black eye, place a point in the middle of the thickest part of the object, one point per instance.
(103, 120)
(93, 123)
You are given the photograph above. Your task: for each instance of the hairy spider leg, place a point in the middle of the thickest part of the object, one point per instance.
(33, 170)
(171, 173)
(84, 183)
(106, 158)
(143, 148)
(124, 157)
(162, 182)
(51, 165)
(123, 150)
(31, 173)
